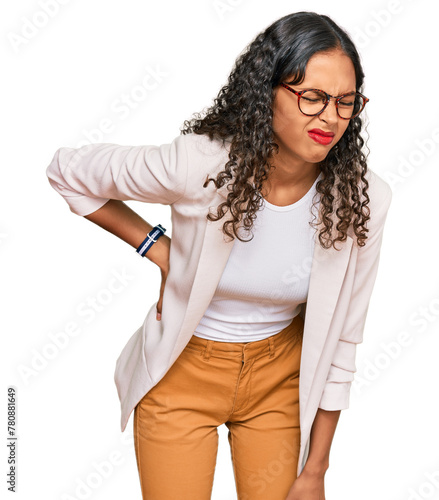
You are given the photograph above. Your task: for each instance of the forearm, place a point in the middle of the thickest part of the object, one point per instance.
(322, 433)
(119, 219)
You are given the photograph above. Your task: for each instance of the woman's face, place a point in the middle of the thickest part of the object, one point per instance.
(332, 72)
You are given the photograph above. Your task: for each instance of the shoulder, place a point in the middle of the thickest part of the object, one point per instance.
(204, 156)
(379, 191)
(200, 147)
(380, 197)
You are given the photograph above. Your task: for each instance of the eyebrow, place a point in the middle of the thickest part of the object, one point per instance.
(301, 87)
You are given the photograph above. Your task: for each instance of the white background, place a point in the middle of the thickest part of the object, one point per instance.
(57, 86)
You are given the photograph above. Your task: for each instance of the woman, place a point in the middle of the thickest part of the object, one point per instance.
(260, 312)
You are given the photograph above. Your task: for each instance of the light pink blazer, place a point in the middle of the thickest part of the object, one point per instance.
(340, 285)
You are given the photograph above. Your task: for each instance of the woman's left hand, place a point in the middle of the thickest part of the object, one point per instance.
(308, 486)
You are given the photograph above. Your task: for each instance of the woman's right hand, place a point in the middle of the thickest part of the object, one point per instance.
(119, 219)
(161, 258)
(162, 289)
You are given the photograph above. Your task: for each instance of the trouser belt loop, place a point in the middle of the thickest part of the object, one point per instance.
(271, 345)
(208, 350)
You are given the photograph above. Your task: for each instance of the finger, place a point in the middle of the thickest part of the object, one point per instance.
(159, 309)
(160, 301)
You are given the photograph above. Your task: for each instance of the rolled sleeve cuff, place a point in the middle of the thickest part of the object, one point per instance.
(85, 206)
(335, 396)
(79, 204)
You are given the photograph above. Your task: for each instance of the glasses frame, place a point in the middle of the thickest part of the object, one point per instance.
(328, 96)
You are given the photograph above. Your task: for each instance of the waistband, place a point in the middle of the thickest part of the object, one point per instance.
(292, 332)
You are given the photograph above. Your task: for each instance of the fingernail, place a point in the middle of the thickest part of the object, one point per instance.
(159, 316)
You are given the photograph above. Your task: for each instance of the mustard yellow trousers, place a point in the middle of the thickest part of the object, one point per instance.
(252, 388)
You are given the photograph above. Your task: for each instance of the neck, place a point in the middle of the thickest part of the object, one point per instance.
(287, 176)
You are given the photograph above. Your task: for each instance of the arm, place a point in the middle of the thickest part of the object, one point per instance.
(310, 485)
(118, 218)
(322, 433)
(341, 373)
(95, 179)
(89, 176)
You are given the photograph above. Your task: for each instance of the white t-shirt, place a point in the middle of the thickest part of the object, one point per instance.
(266, 279)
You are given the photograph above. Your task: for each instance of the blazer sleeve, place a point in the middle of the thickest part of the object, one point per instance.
(341, 373)
(89, 176)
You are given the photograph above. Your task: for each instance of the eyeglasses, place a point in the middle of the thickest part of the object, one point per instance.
(312, 102)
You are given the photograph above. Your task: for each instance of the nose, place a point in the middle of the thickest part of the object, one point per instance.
(329, 115)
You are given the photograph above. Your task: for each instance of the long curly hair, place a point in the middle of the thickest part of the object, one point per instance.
(241, 116)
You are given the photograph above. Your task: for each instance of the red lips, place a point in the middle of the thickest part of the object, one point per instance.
(321, 132)
(321, 137)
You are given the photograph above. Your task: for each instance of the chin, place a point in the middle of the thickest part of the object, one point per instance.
(316, 158)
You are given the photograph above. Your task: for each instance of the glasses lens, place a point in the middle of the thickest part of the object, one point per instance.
(350, 105)
(312, 102)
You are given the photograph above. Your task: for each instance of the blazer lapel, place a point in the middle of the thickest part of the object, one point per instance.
(328, 270)
(213, 258)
